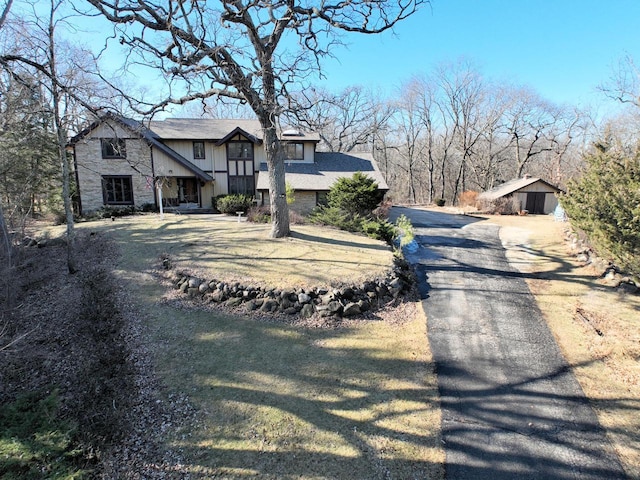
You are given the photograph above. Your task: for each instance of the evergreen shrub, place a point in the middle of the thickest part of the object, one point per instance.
(231, 204)
(604, 203)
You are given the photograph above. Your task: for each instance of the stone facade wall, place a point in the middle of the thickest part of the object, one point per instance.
(91, 167)
(304, 202)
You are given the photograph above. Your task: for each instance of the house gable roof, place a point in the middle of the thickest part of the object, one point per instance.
(151, 137)
(238, 131)
(217, 130)
(513, 186)
(327, 168)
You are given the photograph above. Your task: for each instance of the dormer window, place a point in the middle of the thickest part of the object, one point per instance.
(293, 151)
(113, 148)
(198, 151)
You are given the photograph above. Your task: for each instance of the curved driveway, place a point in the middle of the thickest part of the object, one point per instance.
(510, 406)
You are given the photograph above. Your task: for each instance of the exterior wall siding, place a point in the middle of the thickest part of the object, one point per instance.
(550, 199)
(142, 163)
(538, 187)
(550, 203)
(304, 202)
(91, 167)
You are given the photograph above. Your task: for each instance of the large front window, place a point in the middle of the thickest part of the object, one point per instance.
(241, 168)
(117, 190)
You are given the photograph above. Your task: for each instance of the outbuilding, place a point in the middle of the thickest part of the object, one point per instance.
(533, 194)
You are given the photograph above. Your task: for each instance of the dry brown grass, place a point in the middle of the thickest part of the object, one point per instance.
(283, 400)
(221, 248)
(596, 326)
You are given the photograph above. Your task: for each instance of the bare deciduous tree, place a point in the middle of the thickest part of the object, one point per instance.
(624, 84)
(345, 121)
(37, 51)
(249, 50)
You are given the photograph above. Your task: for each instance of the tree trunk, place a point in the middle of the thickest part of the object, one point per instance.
(8, 253)
(62, 151)
(277, 186)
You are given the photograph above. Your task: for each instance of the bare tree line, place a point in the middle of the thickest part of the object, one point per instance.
(450, 131)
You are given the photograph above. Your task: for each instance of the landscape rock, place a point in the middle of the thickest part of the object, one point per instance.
(269, 305)
(628, 287)
(334, 308)
(307, 310)
(304, 298)
(351, 309)
(345, 301)
(218, 296)
(234, 302)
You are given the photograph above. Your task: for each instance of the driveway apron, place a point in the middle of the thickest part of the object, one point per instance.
(511, 407)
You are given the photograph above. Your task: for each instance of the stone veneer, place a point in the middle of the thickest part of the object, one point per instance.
(93, 166)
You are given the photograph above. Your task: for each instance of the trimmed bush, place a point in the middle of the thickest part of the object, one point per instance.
(231, 204)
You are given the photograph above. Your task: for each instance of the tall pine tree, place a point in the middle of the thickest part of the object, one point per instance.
(605, 204)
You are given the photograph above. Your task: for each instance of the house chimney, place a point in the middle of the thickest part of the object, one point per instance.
(526, 175)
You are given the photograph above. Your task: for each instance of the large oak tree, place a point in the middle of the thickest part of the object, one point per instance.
(252, 51)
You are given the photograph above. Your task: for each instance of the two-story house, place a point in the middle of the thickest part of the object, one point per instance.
(186, 162)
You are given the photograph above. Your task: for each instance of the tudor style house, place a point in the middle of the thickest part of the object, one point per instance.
(122, 162)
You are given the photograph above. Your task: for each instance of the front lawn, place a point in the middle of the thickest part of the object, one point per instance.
(272, 399)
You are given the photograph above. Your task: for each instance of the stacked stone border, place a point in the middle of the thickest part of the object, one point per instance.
(582, 251)
(343, 301)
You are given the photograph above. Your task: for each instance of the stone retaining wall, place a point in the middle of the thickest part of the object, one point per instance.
(347, 301)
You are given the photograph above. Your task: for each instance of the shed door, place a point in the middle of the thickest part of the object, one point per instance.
(535, 202)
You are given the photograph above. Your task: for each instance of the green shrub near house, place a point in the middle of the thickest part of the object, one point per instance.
(231, 204)
(357, 195)
(351, 203)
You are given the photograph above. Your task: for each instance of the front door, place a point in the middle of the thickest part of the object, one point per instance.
(188, 190)
(535, 202)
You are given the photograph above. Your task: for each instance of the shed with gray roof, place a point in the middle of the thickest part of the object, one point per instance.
(532, 194)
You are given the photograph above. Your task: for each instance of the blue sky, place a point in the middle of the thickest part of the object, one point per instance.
(563, 49)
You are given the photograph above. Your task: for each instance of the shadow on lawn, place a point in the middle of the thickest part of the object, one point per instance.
(240, 249)
(290, 402)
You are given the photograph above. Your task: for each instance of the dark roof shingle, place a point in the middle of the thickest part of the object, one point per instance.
(326, 169)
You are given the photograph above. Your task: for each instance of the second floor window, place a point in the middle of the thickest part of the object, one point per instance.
(198, 150)
(240, 150)
(293, 151)
(113, 148)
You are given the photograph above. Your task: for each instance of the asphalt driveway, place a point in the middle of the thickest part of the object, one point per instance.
(511, 408)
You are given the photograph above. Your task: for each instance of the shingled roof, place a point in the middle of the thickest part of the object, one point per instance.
(215, 129)
(512, 186)
(326, 169)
